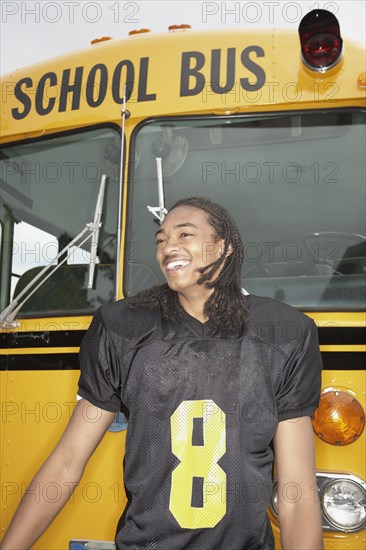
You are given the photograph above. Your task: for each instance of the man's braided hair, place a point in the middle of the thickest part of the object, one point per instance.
(225, 308)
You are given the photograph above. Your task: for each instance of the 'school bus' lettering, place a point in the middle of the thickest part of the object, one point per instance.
(73, 86)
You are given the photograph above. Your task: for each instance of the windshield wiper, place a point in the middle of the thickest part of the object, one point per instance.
(7, 317)
(159, 211)
(94, 227)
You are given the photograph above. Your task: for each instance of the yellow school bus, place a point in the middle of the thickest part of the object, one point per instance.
(269, 124)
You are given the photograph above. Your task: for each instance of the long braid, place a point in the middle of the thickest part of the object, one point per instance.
(225, 308)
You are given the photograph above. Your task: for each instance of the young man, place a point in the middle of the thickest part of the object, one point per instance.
(214, 383)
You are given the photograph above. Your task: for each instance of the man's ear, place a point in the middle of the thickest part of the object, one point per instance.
(229, 251)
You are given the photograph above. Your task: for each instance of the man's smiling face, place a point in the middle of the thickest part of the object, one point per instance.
(186, 242)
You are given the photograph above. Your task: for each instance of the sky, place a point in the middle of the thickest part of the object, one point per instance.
(33, 31)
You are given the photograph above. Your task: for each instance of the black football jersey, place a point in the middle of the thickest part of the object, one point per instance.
(203, 408)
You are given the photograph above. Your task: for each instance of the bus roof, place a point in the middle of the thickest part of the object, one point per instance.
(177, 73)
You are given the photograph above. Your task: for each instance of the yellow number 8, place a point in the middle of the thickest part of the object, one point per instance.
(198, 461)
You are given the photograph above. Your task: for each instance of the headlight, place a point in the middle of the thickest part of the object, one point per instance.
(344, 504)
(343, 501)
(274, 499)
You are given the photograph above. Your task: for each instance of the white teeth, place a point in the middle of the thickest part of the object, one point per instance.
(177, 263)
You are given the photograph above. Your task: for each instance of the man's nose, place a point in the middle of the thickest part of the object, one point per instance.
(170, 246)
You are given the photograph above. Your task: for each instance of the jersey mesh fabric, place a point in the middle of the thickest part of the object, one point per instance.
(214, 399)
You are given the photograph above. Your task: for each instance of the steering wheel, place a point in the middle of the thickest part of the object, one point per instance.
(315, 256)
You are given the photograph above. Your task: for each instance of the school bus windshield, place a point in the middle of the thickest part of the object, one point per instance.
(294, 181)
(49, 190)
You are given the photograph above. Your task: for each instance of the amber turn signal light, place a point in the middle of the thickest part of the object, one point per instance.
(339, 419)
(102, 39)
(182, 27)
(139, 31)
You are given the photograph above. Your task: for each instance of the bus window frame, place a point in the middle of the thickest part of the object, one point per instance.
(167, 119)
(81, 130)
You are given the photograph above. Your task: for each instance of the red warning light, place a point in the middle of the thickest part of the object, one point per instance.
(321, 42)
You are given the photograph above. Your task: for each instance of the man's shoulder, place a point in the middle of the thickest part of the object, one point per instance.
(262, 308)
(277, 323)
(121, 318)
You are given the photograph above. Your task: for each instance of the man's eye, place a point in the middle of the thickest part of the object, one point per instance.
(159, 241)
(186, 234)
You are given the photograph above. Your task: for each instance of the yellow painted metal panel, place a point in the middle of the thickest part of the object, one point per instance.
(343, 347)
(39, 351)
(35, 412)
(51, 324)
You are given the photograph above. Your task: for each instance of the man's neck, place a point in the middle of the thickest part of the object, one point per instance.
(194, 306)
